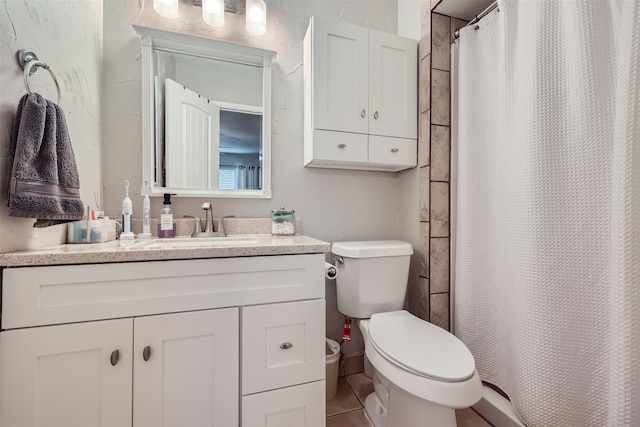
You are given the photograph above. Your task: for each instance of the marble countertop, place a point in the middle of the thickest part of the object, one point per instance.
(165, 249)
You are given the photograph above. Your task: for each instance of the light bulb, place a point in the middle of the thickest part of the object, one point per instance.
(256, 17)
(213, 12)
(166, 8)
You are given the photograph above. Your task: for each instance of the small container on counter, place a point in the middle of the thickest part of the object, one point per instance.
(283, 222)
(87, 231)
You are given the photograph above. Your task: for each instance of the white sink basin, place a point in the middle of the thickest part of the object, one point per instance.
(195, 243)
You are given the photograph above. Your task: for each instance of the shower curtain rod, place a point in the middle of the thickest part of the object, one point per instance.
(478, 17)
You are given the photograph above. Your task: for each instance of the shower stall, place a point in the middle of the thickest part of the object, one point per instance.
(545, 264)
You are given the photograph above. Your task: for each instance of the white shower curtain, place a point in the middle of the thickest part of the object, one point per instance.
(547, 276)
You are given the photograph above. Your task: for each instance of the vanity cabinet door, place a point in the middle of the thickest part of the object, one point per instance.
(67, 375)
(186, 369)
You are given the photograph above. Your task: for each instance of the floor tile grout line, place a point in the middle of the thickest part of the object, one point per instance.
(345, 412)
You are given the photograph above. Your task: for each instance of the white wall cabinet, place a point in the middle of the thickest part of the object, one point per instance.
(175, 357)
(360, 89)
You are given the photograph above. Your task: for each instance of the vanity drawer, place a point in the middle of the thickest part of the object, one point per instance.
(282, 345)
(385, 150)
(302, 405)
(339, 146)
(33, 296)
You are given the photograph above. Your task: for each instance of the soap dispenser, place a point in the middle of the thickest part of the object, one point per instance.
(167, 225)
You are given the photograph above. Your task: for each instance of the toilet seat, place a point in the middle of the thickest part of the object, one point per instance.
(420, 347)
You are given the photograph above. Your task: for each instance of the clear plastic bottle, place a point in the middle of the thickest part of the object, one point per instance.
(167, 225)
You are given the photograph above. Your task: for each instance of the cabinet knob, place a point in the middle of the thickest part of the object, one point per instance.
(362, 113)
(395, 150)
(286, 345)
(342, 145)
(375, 115)
(146, 353)
(115, 356)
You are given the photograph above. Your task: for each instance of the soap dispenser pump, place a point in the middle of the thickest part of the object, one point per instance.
(167, 225)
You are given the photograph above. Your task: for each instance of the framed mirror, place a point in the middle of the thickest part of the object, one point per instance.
(206, 108)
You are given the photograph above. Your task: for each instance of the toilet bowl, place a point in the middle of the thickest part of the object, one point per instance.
(422, 373)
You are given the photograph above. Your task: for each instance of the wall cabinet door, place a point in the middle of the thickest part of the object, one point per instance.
(393, 77)
(67, 375)
(340, 76)
(299, 406)
(186, 369)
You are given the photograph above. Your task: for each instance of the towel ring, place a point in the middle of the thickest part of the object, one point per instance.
(29, 60)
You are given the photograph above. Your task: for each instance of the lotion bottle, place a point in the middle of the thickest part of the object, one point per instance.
(167, 225)
(127, 217)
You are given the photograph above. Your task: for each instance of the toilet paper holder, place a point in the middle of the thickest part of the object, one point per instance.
(330, 271)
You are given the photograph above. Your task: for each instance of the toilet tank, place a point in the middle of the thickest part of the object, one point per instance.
(373, 277)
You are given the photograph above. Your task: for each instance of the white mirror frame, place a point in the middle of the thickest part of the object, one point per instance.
(152, 38)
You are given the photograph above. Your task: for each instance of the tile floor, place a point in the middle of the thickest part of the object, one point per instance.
(346, 409)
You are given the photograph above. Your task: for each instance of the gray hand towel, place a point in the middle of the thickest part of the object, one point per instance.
(44, 179)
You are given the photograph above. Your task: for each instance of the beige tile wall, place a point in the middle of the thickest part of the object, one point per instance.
(424, 160)
(434, 161)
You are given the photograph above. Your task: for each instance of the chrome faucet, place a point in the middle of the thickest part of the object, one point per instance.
(208, 223)
(208, 230)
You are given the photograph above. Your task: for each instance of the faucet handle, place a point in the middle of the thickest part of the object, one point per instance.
(197, 227)
(221, 224)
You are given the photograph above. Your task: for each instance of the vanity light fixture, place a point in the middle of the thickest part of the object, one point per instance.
(256, 17)
(166, 8)
(213, 13)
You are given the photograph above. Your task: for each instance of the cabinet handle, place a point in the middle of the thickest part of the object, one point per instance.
(375, 115)
(362, 113)
(395, 150)
(146, 353)
(115, 356)
(342, 145)
(286, 345)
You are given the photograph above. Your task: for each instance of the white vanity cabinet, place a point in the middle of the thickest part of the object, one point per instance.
(279, 338)
(63, 375)
(163, 342)
(185, 369)
(360, 89)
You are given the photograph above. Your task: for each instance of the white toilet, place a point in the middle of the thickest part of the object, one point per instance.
(422, 373)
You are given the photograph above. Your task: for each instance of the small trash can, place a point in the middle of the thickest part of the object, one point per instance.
(332, 363)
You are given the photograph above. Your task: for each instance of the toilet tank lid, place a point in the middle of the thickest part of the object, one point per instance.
(372, 249)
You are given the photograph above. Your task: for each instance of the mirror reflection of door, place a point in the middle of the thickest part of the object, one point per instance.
(192, 138)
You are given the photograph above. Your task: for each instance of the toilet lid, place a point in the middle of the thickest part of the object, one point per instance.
(420, 347)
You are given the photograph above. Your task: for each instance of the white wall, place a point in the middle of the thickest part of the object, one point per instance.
(67, 35)
(410, 17)
(334, 205)
(410, 25)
